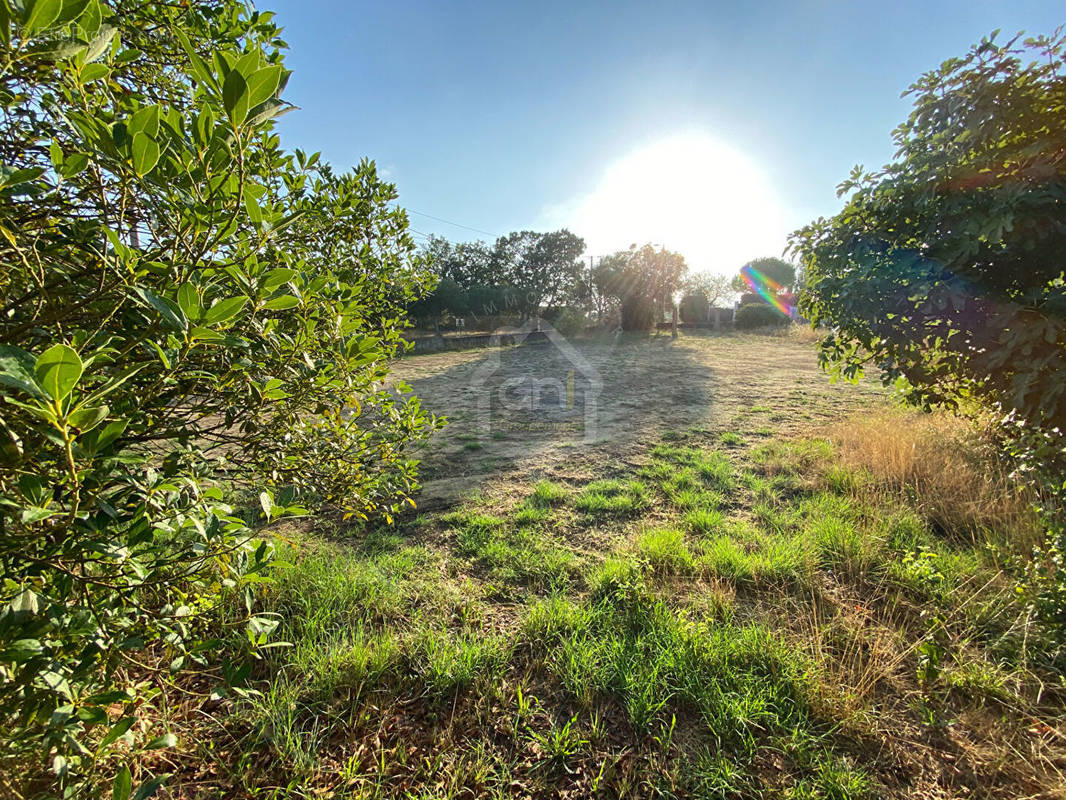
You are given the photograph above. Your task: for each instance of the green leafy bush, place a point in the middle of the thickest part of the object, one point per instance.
(759, 315)
(945, 268)
(190, 315)
(570, 321)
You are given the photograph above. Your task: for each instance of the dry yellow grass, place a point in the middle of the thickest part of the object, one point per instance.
(944, 468)
(801, 333)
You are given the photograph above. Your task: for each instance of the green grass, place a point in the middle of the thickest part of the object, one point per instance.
(612, 498)
(537, 507)
(531, 515)
(704, 522)
(730, 439)
(447, 662)
(737, 679)
(518, 555)
(665, 550)
(710, 624)
(842, 546)
(547, 494)
(771, 560)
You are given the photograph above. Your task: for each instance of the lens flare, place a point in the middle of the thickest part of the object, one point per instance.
(767, 288)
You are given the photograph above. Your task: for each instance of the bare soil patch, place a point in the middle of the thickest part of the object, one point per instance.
(750, 384)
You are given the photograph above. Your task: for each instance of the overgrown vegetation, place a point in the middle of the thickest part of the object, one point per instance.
(759, 315)
(810, 624)
(942, 269)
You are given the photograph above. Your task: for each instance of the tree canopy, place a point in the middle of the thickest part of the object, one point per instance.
(776, 270)
(469, 264)
(521, 273)
(703, 290)
(944, 270)
(542, 267)
(644, 280)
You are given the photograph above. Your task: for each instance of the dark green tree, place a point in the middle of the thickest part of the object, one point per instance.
(543, 268)
(945, 269)
(490, 301)
(447, 297)
(777, 270)
(702, 291)
(644, 280)
(467, 263)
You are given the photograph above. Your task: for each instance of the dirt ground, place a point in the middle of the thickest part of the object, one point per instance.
(566, 410)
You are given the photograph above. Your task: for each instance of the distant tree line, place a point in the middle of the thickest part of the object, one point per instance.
(527, 273)
(520, 274)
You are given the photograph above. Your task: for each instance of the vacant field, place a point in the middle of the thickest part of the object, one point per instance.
(752, 386)
(749, 583)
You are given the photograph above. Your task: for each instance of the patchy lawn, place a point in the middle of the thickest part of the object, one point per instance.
(736, 590)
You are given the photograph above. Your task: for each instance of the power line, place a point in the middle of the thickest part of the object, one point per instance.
(449, 222)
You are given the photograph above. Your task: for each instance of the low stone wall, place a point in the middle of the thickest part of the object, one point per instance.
(435, 344)
(719, 319)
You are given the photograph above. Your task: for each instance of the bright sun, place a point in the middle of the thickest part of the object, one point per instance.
(690, 193)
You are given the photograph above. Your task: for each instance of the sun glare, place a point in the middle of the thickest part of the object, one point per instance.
(690, 193)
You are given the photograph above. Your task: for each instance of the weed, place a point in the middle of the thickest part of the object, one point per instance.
(513, 556)
(525, 704)
(531, 515)
(617, 577)
(475, 533)
(940, 466)
(553, 617)
(665, 551)
(712, 469)
(547, 494)
(559, 743)
(718, 775)
(738, 679)
(446, 662)
(612, 498)
(843, 546)
(704, 522)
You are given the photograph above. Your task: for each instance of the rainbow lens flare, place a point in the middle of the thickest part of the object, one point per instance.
(767, 288)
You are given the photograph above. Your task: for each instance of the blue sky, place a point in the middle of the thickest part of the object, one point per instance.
(711, 128)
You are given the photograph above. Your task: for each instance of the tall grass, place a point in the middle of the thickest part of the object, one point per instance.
(939, 465)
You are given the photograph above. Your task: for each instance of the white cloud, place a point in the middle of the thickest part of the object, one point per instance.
(691, 193)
